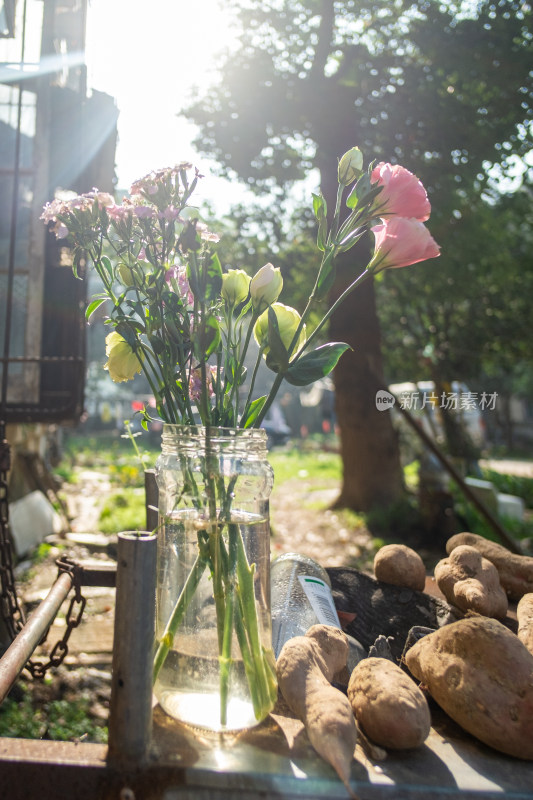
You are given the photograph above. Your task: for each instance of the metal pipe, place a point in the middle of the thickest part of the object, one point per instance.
(22, 647)
(151, 493)
(130, 718)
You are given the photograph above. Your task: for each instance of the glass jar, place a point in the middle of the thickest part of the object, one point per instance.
(214, 666)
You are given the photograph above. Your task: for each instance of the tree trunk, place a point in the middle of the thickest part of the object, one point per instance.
(372, 473)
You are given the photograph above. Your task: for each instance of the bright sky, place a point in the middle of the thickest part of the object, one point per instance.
(149, 56)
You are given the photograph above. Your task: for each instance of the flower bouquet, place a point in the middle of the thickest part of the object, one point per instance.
(179, 316)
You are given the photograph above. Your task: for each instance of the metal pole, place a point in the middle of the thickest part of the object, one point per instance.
(130, 718)
(151, 492)
(22, 647)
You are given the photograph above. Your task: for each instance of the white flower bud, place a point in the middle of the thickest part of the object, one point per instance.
(265, 287)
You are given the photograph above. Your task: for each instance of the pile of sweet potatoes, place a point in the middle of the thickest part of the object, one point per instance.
(382, 701)
(475, 668)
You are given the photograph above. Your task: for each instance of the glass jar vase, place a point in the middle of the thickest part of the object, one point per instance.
(214, 666)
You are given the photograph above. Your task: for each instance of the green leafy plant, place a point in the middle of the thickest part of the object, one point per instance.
(519, 485)
(60, 720)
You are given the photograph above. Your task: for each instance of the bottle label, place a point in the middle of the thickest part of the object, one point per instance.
(319, 595)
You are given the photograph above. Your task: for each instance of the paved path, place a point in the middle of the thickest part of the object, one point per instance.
(508, 466)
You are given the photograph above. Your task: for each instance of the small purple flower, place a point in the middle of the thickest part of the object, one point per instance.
(170, 213)
(195, 383)
(205, 234)
(61, 231)
(104, 199)
(176, 277)
(144, 212)
(118, 213)
(50, 211)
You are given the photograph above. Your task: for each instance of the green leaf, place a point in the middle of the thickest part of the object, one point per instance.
(317, 364)
(326, 277)
(207, 338)
(78, 257)
(128, 333)
(363, 193)
(107, 265)
(190, 212)
(94, 304)
(349, 240)
(278, 357)
(214, 278)
(320, 209)
(253, 412)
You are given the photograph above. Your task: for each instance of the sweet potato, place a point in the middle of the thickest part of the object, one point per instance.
(515, 571)
(390, 708)
(471, 582)
(524, 614)
(305, 667)
(401, 566)
(481, 674)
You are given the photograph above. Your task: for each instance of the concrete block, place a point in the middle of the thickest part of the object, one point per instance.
(511, 506)
(485, 492)
(31, 520)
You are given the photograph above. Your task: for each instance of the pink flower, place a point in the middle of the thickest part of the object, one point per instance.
(195, 382)
(144, 212)
(60, 230)
(170, 213)
(117, 213)
(51, 210)
(104, 199)
(399, 242)
(176, 277)
(402, 193)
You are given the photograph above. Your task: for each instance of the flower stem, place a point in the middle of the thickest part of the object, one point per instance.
(225, 654)
(187, 593)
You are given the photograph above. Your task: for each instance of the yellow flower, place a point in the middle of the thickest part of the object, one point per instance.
(122, 362)
(235, 286)
(288, 321)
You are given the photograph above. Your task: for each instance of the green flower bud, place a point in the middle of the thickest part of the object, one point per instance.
(126, 275)
(235, 286)
(350, 166)
(288, 321)
(265, 287)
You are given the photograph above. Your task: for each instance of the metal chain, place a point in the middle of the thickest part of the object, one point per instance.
(73, 619)
(10, 609)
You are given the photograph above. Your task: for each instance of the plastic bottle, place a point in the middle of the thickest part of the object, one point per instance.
(300, 597)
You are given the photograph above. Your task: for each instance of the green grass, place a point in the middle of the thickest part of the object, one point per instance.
(60, 720)
(314, 466)
(473, 521)
(511, 484)
(102, 450)
(123, 511)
